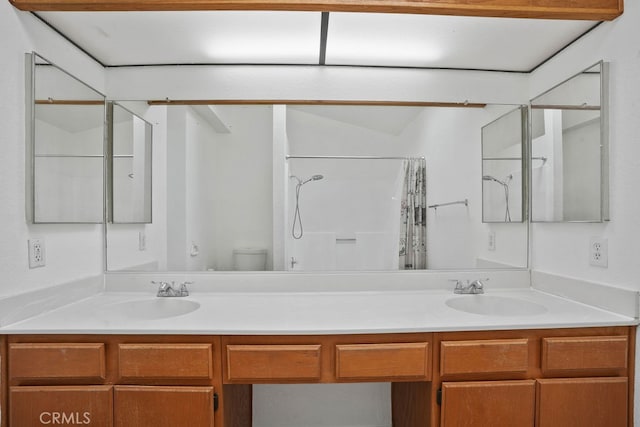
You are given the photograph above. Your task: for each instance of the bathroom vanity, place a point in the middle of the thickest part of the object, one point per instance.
(559, 377)
(92, 362)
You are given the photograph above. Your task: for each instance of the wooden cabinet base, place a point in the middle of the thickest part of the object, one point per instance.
(551, 377)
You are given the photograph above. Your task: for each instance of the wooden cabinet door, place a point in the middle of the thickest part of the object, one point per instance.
(61, 405)
(488, 404)
(151, 406)
(582, 402)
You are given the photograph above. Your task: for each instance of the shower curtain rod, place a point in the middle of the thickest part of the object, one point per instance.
(353, 157)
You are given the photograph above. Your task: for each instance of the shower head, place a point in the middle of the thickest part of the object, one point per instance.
(491, 178)
(312, 178)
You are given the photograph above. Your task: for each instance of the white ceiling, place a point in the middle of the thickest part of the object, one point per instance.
(355, 39)
(380, 118)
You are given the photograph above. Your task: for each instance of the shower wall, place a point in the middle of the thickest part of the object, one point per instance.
(350, 218)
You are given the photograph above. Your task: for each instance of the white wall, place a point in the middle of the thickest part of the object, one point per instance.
(189, 169)
(200, 212)
(211, 193)
(456, 236)
(123, 245)
(308, 83)
(72, 251)
(563, 248)
(280, 206)
(243, 183)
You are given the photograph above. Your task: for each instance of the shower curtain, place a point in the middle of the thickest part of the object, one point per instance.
(413, 216)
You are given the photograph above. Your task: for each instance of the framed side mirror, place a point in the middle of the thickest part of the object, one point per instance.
(65, 146)
(570, 149)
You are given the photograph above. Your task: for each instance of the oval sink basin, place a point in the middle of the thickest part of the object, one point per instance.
(491, 305)
(157, 308)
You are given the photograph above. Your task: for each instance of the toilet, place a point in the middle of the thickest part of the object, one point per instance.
(249, 259)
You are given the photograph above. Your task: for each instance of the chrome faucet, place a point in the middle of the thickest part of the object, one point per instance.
(473, 287)
(169, 290)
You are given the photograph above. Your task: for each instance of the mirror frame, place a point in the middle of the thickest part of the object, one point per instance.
(604, 146)
(30, 138)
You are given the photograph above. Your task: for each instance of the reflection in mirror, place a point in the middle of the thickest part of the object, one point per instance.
(316, 188)
(65, 146)
(129, 145)
(367, 213)
(503, 141)
(569, 164)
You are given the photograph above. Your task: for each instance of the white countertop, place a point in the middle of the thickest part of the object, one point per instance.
(311, 312)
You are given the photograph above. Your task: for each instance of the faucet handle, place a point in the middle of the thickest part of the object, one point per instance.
(184, 292)
(478, 285)
(161, 284)
(458, 283)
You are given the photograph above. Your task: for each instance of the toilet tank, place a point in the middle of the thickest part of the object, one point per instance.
(249, 259)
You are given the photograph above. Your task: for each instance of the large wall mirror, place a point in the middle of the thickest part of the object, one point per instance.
(317, 188)
(569, 146)
(65, 146)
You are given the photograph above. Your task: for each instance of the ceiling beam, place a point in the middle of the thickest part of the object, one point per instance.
(596, 10)
(324, 33)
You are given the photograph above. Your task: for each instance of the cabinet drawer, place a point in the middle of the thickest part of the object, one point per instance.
(562, 355)
(163, 406)
(484, 356)
(165, 361)
(47, 362)
(266, 363)
(377, 362)
(63, 405)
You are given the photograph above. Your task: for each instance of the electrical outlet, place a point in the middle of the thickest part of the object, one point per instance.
(598, 252)
(491, 243)
(36, 253)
